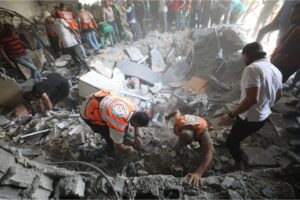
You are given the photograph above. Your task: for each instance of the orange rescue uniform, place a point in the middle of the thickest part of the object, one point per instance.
(112, 111)
(86, 20)
(198, 124)
(68, 16)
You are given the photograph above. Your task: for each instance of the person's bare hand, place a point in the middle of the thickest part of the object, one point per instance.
(137, 140)
(131, 150)
(195, 179)
(225, 120)
(13, 65)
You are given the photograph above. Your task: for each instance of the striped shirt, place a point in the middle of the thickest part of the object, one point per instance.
(12, 46)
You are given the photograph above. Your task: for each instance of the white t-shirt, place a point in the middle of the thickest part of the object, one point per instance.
(268, 78)
(60, 27)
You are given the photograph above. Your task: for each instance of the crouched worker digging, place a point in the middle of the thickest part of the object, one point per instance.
(193, 128)
(111, 116)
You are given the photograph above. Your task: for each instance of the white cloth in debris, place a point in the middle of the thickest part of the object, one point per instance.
(116, 136)
(60, 27)
(268, 78)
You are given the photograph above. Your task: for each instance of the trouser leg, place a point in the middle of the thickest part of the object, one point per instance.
(241, 129)
(94, 39)
(27, 62)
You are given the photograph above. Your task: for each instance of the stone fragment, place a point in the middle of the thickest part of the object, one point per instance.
(41, 193)
(23, 177)
(134, 54)
(234, 195)
(119, 184)
(213, 182)
(142, 172)
(267, 192)
(71, 186)
(46, 182)
(227, 182)
(236, 185)
(195, 144)
(80, 139)
(157, 61)
(224, 158)
(256, 156)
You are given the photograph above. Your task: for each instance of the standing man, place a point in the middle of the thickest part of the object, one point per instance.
(286, 54)
(54, 88)
(69, 39)
(163, 15)
(111, 117)
(193, 128)
(66, 15)
(131, 19)
(11, 47)
(260, 89)
(87, 25)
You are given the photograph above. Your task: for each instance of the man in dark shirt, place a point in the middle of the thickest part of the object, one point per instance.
(12, 50)
(48, 92)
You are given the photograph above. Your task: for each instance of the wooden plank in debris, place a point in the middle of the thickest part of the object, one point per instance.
(196, 85)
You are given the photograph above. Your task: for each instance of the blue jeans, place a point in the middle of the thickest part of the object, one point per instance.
(27, 62)
(91, 39)
(115, 31)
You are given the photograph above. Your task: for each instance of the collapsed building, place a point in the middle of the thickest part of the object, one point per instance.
(198, 72)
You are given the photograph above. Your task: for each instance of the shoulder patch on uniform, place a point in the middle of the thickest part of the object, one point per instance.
(119, 109)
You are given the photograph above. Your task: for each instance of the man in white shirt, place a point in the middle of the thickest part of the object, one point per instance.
(261, 85)
(69, 39)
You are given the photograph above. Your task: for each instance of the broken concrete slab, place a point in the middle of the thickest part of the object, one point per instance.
(137, 70)
(234, 195)
(93, 82)
(227, 182)
(97, 65)
(256, 156)
(134, 54)
(71, 186)
(63, 60)
(176, 73)
(7, 192)
(41, 193)
(11, 91)
(157, 61)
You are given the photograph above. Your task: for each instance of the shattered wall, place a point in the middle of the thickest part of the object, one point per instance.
(27, 8)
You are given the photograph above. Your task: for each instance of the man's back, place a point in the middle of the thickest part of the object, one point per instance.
(268, 78)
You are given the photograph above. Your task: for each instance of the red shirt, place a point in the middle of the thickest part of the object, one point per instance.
(12, 46)
(176, 5)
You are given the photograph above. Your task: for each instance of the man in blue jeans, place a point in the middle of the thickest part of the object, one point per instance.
(12, 50)
(87, 25)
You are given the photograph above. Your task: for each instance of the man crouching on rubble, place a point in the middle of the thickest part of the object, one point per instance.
(111, 117)
(260, 89)
(52, 89)
(189, 128)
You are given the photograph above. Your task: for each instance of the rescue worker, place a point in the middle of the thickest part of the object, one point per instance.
(112, 116)
(63, 13)
(189, 128)
(87, 25)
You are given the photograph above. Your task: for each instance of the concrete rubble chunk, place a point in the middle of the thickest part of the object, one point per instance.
(213, 181)
(267, 192)
(9, 161)
(100, 67)
(41, 193)
(137, 70)
(176, 73)
(157, 61)
(234, 195)
(227, 182)
(119, 184)
(134, 54)
(71, 187)
(7, 192)
(23, 177)
(46, 182)
(256, 156)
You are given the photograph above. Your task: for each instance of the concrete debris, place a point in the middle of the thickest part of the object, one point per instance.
(256, 156)
(134, 54)
(196, 85)
(137, 70)
(176, 73)
(71, 187)
(63, 61)
(11, 93)
(157, 61)
(234, 195)
(267, 192)
(227, 182)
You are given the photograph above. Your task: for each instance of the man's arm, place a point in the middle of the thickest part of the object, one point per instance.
(125, 148)
(117, 138)
(248, 101)
(172, 114)
(47, 102)
(6, 57)
(206, 143)
(278, 95)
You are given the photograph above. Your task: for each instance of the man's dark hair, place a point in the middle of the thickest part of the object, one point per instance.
(79, 6)
(254, 51)
(140, 118)
(8, 29)
(61, 5)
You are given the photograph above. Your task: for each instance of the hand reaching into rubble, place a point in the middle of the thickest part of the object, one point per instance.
(225, 120)
(195, 179)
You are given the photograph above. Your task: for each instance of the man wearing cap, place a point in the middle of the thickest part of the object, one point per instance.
(260, 89)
